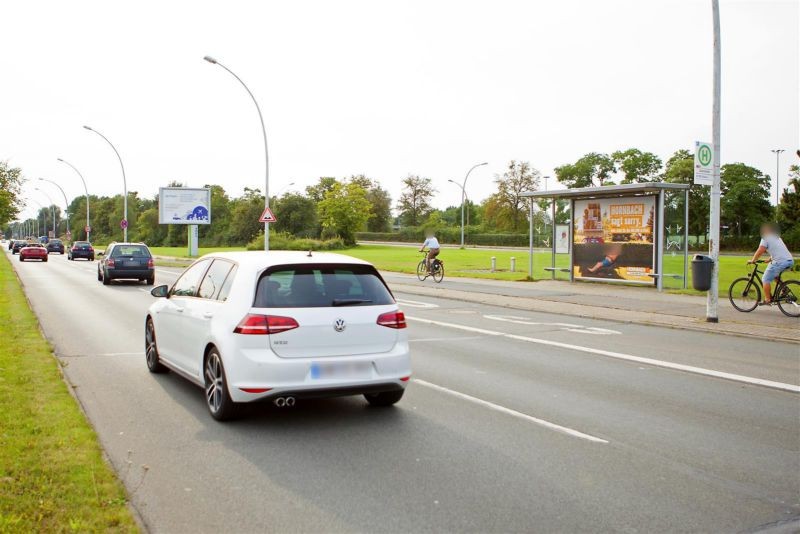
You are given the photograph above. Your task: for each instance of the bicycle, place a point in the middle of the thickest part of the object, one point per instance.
(437, 269)
(745, 293)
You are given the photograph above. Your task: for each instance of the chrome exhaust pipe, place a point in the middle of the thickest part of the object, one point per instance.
(289, 402)
(280, 402)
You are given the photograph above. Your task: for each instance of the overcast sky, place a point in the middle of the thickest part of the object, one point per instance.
(384, 88)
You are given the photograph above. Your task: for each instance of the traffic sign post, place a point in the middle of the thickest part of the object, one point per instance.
(267, 216)
(703, 163)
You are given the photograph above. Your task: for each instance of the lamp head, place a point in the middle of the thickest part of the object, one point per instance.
(451, 181)
(210, 60)
(61, 160)
(88, 128)
(484, 163)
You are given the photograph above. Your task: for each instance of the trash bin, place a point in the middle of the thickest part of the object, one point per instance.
(702, 266)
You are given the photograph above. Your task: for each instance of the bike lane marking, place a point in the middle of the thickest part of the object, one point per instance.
(569, 327)
(621, 356)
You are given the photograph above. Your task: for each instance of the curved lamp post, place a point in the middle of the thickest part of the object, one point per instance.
(266, 151)
(124, 186)
(37, 216)
(464, 196)
(53, 207)
(86, 189)
(66, 202)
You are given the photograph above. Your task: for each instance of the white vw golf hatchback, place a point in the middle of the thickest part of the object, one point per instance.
(250, 326)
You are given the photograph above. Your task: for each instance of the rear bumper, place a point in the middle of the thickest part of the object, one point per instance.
(119, 274)
(261, 368)
(81, 254)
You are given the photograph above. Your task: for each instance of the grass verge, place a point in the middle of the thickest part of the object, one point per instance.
(53, 477)
(476, 263)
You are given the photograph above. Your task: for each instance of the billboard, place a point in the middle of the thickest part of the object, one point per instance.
(613, 239)
(184, 205)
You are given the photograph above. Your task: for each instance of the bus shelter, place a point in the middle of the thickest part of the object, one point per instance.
(630, 234)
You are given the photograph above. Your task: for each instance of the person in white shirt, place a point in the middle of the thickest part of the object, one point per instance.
(781, 258)
(433, 248)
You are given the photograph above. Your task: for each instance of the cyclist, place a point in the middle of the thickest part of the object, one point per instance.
(780, 258)
(433, 248)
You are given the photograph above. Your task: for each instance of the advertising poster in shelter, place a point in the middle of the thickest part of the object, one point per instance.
(613, 239)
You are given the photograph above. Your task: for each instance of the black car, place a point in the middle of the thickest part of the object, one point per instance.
(81, 249)
(18, 244)
(126, 261)
(55, 245)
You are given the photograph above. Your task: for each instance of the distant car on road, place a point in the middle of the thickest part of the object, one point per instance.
(17, 245)
(126, 261)
(33, 251)
(249, 326)
(55, 245)
(81, 249)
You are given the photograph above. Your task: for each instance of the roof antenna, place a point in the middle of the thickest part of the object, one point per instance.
(309, 254)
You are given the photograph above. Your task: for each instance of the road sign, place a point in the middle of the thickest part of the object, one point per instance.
(87, 228)
(703, 163)
(267, 216)
(123, 224)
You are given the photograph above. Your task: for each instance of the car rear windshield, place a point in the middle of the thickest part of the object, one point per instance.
(320, 286)
(55, 241)
(130, 250)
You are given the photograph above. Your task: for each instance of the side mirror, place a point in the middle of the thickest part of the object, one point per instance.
(101, 253)
(160, 291)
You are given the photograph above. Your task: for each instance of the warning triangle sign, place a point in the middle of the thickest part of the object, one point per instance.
(267, 216)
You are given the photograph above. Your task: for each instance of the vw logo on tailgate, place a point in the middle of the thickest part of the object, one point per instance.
(339, 325)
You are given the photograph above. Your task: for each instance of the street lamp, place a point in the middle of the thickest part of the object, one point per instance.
(124, 186)
(53, 207)
(463, 193)
(284, 188)
(37, 217)
(777, 152)
(266, 151)
(86, 189)
(464, 196)
(66, 202)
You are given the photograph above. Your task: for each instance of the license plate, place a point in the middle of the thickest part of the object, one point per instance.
(341, 370)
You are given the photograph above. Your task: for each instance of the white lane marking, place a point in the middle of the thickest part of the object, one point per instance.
(514, 413)
(569, 327)
(620, 356)
(416, 303)
(171, 273)
(431, 339)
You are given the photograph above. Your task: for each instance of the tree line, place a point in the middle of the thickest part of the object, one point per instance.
(339, 208)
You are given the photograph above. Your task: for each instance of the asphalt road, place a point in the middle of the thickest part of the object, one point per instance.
(514, 421)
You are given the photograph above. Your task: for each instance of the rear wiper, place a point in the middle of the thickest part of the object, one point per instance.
(349, 302)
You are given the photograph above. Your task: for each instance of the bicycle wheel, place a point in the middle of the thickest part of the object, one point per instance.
(789, 299)
(438, 271)
(744, 294)
(422, 271)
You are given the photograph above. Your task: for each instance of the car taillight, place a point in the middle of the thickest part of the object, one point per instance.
(255, 324)
(110, 262)
(395, 319)
(150, 263)
(91, 249)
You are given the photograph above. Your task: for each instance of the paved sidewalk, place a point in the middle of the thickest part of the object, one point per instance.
(614, 303)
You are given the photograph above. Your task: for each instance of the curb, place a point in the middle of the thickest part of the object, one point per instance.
(677, 322)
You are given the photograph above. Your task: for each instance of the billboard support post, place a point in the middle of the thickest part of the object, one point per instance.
(660, 242)
(192, 240)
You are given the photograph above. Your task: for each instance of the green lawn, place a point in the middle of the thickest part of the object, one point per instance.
(476, 263)
(53, 477)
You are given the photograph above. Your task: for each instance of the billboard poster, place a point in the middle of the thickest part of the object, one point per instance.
(562, 239)
(184, 205)
(613, 239)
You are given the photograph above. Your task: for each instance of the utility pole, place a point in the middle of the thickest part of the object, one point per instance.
(712, 315)
(777, 153)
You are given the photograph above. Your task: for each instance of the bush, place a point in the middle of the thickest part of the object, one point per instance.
(449, 236)
(288, 242)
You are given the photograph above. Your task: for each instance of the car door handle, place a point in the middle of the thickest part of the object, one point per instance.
(208, 315)
(178, 309)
